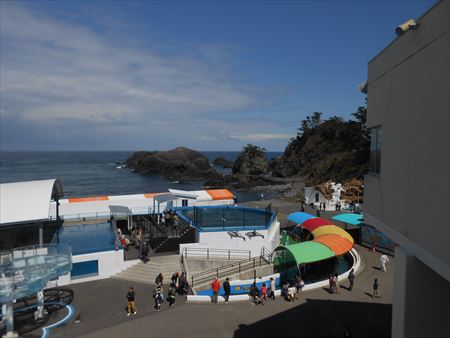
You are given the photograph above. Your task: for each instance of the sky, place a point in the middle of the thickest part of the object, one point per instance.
(210, 75)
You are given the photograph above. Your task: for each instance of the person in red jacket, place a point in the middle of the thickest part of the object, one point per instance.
(215, 289)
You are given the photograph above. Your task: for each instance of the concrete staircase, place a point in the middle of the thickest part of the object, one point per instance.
(146, 273)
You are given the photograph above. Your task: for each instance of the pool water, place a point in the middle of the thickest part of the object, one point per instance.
(221, 217)
(87, 238)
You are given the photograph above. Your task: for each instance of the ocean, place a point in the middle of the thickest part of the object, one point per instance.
(94, 173)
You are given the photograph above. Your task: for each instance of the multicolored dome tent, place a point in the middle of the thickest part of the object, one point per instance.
(329, 241)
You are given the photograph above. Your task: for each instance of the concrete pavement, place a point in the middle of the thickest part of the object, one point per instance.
(101, 306)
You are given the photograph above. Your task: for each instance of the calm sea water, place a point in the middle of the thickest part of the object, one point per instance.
(85, 173)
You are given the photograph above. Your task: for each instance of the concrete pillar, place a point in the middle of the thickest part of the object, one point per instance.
(420, 306)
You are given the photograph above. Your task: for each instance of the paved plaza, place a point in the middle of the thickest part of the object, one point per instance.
(100, 307)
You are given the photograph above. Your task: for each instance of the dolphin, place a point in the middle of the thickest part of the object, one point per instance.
(235, 234)
(253, 234)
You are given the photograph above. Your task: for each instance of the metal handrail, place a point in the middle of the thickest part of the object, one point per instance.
(233, 268)
(208, 252)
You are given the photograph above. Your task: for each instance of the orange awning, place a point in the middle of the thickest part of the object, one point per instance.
(88, 199)
(220, 194)
(339, 245)
(152, 194)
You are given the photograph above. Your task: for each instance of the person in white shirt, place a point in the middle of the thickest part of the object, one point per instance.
(384, 260)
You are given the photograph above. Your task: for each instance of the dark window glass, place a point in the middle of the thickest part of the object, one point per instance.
(375, 150)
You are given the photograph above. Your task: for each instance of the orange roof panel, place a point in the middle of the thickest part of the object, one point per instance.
(220, 194)
(88, 199)
(152, 194)
(338, 244)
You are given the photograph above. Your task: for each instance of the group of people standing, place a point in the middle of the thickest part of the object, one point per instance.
(259, 295)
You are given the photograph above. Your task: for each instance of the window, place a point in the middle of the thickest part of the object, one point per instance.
(184, 203)
(375, 150)
(84, 269)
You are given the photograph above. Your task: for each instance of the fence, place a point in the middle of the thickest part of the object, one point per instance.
(234, 268)
(223, 217)
(215, 253)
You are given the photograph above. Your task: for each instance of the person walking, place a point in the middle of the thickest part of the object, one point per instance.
(131, 301)
(175, 279)
(264, 291)
(215, 285)
(330, 283)
(171, 296)
(226, 289)
(384, 259)
(158, 296)
(183, 286)
(351, 278)
(159, 279)
(336, 283)
(375, 288)
(272, 288)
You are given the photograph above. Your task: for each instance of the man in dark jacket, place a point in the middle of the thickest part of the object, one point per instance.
(131, 302)
(227, 289)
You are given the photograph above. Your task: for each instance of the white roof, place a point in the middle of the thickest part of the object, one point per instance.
(200, 195)
(27, 201)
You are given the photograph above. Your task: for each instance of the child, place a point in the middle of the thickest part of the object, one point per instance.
(264, 291)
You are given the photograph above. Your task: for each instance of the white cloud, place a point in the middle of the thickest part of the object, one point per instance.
(54, 71)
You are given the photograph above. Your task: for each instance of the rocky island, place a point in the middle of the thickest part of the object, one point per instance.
(179, 163)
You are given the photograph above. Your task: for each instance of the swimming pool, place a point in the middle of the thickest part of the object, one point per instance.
(88, 238)
(226, 217)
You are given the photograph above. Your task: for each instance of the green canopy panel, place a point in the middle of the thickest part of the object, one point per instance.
(307, 252)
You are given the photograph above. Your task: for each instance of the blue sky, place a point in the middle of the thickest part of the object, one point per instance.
(99, 75)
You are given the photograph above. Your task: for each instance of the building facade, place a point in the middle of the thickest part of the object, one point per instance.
(409, 119)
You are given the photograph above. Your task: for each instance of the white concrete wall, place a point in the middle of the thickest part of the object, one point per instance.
(408, 95)
(421, 299)
(109, 263)
(221, 240)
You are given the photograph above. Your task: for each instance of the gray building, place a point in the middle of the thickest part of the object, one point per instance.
(407, 189)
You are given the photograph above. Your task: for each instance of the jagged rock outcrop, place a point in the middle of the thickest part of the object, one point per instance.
(223, 162)
(178, 163)
(252, 161)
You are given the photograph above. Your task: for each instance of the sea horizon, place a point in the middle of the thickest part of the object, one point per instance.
(94, 173)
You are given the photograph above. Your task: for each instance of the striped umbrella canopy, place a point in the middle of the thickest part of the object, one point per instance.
(299, 217)
(314, 223)
(331, 230)
(339, 245)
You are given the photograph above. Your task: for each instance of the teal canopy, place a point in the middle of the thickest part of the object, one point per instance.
(353, 219)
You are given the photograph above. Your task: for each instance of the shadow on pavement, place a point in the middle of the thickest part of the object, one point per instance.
(324, 318)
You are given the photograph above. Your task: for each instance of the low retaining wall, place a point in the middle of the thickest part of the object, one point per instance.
(244, 297)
